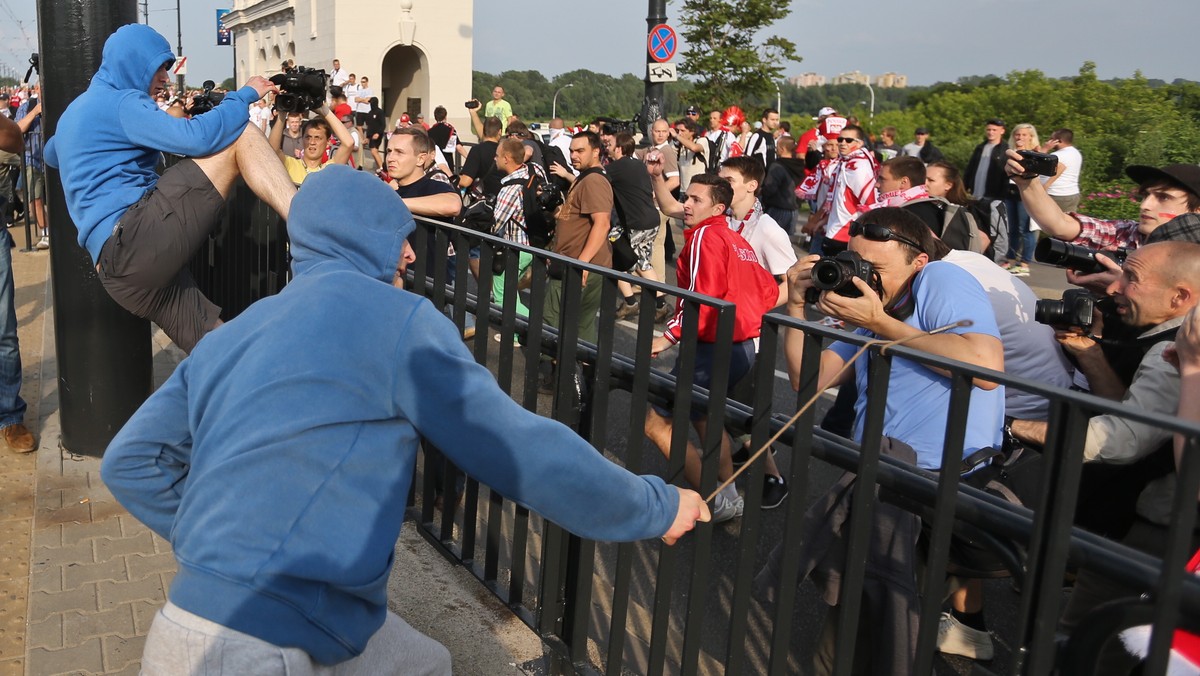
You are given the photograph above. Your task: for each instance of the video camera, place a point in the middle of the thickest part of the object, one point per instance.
(614, 126)
(836, 274)
(303, 89)
(1065, 255)
(206, 100)
(1075, 309)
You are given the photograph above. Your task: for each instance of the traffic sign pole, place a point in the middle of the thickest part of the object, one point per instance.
(652, 102)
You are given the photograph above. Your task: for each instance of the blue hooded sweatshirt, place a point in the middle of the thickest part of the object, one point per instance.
(113, 134)
(278, 456)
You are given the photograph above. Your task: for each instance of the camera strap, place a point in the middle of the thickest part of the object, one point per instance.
(904, 304)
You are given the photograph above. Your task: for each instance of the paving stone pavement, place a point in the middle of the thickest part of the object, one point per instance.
(81, 579)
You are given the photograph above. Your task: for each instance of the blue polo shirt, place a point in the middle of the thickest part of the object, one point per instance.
(919, 399)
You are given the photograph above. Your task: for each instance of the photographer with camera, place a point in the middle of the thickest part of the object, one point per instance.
(1170, 210)
(315, 134)
(113, 136)
(886, 284)
(1128, 481)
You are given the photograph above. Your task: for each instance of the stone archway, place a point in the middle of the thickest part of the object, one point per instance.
(405, 82)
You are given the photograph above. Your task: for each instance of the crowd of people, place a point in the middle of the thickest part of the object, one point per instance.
(932, 255)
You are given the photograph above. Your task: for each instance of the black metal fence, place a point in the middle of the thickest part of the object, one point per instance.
(696, 607)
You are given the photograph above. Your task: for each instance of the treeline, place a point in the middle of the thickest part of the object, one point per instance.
(1116, 122)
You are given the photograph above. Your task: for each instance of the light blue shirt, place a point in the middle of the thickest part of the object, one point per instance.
(918, 399)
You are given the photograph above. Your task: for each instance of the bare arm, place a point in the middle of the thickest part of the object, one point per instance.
(476, 121)
(276, 136)
(799, 280)
(1039, 205)
(10, 136)
(26, 122)
(345, 140)
(662, 195)
(597, 236)
(444, 205)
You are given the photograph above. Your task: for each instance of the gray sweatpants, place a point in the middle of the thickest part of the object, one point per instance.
(181, 642)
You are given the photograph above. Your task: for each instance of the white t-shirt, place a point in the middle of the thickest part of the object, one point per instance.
(351, 91)
(1068, 183)
(1030, 350)
(363, 106)
(338, 77)
(726, 139)
(769, 241)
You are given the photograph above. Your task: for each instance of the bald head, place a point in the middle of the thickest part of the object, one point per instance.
(557, 123)
(1158, 282)
(1174, 263)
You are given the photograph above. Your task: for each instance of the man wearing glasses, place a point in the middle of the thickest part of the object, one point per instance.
(854, 189)
(911, 297)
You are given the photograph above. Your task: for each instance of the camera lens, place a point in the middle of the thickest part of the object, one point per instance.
(1050, 312)
(827, 275)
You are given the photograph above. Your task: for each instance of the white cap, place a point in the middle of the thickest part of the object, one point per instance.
(826, 111)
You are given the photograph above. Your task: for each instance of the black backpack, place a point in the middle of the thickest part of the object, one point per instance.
(761, 137)
(539, 222)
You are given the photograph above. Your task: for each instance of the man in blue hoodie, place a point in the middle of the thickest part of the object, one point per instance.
(141, 229)
(277, 459)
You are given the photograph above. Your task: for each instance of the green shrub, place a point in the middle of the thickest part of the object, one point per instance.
(1114, 203)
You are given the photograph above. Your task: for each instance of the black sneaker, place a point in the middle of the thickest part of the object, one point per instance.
(741, 455)
(774, 491)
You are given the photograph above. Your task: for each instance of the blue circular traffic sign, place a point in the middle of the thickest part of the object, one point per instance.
(661, 43)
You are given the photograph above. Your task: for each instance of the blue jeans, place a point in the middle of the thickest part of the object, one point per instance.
(1021, 240)
(12, 406)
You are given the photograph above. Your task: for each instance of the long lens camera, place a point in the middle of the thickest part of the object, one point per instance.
(1080, 258)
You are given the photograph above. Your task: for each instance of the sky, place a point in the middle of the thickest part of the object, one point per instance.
(928, 40)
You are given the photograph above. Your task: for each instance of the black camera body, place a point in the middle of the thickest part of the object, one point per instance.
(550, 196)
(206, 100)
(472, 104)
(301, 89)
(1075, 309)
(1066, 255)
(1038, 164)
(835, 273)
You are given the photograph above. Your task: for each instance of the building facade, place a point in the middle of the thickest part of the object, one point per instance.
(417, 53)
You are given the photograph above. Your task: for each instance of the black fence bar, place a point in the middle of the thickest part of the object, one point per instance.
(674, 610)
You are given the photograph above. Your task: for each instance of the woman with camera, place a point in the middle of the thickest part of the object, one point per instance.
(1021, 230)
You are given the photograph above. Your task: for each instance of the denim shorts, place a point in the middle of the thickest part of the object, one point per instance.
(741, 360)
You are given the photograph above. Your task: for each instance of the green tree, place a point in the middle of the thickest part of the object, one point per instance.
(727, 56)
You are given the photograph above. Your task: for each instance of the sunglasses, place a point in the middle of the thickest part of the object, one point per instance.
(847, 139)
(880, 233)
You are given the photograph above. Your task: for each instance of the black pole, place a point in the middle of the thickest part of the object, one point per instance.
(179, 43)
(103, 352)
(652, 102)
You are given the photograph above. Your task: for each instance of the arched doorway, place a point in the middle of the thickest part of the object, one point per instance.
(405, 82)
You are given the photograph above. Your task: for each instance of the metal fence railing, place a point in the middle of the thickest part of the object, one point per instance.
(697, 607)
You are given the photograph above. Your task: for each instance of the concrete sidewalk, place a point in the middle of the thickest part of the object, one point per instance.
(80, 579)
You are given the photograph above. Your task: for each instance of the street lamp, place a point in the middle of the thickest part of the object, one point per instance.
(872, 90)
(778, 100)
(554, 104)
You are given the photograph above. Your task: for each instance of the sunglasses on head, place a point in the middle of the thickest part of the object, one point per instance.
(880, 233)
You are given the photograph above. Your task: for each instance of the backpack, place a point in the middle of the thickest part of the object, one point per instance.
(960, 229)
(553, 155)
(539, 222)
(992, 217)
(758, 138)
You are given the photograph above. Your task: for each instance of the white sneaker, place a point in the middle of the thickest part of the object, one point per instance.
(724, 509)
(43, 243)
(956, 638)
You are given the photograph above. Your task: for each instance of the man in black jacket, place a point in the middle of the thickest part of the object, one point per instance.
(985, 177)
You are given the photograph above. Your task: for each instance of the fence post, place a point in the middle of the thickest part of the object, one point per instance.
(103, 352)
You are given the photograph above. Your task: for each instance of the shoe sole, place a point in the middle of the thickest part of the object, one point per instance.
(777, 504)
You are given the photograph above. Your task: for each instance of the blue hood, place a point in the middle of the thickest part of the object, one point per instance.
(350, 218)
(131, 57)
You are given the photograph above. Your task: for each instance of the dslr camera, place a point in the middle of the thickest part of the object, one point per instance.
(302, 89)
(1075, 309)
(206, 100)
(1038, 164)
(1066, 255)
(835, 274)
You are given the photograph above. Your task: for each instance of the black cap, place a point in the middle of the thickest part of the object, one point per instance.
(921, 130)
(693, 110)
(996, 122)
(1186, 176)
